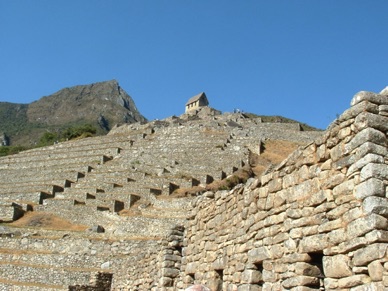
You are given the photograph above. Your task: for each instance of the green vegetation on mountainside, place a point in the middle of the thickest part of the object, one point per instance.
(78, 131)
(13, 117)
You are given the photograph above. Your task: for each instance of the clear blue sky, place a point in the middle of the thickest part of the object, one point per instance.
(301, 59)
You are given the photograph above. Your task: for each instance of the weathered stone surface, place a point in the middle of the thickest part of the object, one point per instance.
(370, 187)
(353, 281)
(373, 170)
(377, 236)
(370, 286)
(378, 205)
(365, 224)
(376, 270)
(259, 254)
(337, 266)
(306, 269)
(370, 253)
(369, 158)
(366, 119)
(369, 96)
(300, 281)
(314, 243)
(251, 277)
(366, 135)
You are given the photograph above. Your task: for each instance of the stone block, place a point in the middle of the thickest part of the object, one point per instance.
(330, 225)
(366, 224)
(270, 276)
(370, 148)
(345, 188)
(333, 181)
(300, 281)
(337, 211)
(258, 255)
(370, 187)
(366, 135)
(295, 257)
(337, 266)
(303, 190)
(367, 119)
(373, 286)
(251, 277)
(376, 270)
(369, 96)
(352, 214)
(373, 170)
(318, 198)
(330, 283)
(192, 267)
(378, 205)
(353, 281)
(306, 269)
(358, 108)
(314, 243)
(170, 272)
(369, 158)
(337, 236)
(338, 152)
(377, 236)
(370, 253)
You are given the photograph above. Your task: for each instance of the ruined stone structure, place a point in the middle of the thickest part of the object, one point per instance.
(196, 102)
(317, 221)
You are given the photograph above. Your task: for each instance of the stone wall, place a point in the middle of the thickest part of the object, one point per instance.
(316, 222)
(49, 258)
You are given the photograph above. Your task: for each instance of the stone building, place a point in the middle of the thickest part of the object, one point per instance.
(196, 102)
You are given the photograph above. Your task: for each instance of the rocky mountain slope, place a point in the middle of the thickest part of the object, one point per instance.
(102, 105)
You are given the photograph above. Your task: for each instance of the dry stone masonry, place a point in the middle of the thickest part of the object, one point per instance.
(317, 221)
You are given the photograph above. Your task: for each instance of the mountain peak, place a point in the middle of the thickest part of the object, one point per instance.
(92, 103)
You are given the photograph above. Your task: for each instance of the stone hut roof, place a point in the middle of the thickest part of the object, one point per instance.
(197, 97)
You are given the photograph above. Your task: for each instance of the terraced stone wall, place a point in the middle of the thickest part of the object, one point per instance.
(76, 261)
(316, 222)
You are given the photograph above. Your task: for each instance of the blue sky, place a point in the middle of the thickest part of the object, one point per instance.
(301, 59)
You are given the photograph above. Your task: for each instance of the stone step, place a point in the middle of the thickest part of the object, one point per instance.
(24, 197)
(61, 162)
(31, 188)
(58, 155)
(78, 206)
(10, 212)
(62, 183)
(48, 175)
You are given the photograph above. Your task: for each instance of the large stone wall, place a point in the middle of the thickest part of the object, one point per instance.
(316, 222)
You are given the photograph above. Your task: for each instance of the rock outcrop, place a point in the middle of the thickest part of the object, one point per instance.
(104, 100)
(102, 105)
